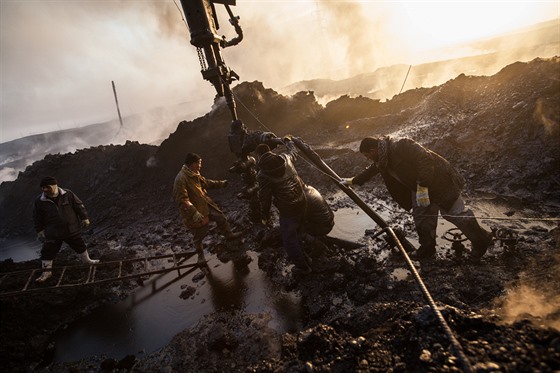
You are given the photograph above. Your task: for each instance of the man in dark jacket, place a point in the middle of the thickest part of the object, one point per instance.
(59, 216)
(420, 179)
(279, 183)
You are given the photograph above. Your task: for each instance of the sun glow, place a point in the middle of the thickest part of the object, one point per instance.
(437, 24)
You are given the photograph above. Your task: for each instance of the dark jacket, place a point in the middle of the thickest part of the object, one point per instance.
(409, 164)
(62, 219)
(280, 184)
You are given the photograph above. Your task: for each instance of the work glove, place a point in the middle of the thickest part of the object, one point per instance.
(41, 236)
(422, 196)
(346, 181)
(265, 220)
(198, 217)
(85, 223)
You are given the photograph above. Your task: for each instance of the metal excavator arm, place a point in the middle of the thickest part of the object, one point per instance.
(203, 27)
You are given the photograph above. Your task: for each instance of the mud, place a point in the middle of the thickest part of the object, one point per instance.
(363, 310)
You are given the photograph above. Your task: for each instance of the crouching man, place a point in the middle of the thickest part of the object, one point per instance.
(422, 180)
(59, 216)
(280, 184)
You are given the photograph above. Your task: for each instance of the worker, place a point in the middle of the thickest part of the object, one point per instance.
(196, 207)
(279, 183)
(422, 180)
(58, 216)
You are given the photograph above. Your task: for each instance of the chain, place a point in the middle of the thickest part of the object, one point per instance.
(201, 59)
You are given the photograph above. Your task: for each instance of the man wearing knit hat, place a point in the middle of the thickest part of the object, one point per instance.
(196, 206)
(59, 216)
(421, 180)
(279, 183)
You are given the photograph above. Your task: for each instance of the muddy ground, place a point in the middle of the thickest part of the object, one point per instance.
(502, 132)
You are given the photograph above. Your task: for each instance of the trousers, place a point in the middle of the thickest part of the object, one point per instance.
(52, 246)
(425, 220)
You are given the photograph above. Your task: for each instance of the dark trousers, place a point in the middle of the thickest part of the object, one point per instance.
(51, 246)
(425, 220)
(289, 228)
(216, 216)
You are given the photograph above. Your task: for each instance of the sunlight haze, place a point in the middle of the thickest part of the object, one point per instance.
(58, 58)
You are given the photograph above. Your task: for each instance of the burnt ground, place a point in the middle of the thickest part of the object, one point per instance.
(502, 132)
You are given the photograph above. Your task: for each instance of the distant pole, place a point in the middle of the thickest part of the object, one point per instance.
(402, 82)
(117, 102)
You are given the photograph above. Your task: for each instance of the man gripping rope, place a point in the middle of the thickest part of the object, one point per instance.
(422, 180)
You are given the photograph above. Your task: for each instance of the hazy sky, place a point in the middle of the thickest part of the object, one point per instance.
(58, 57)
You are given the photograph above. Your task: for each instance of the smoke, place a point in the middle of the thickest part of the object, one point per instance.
(536, 297)
(150, 127)
(365, 39)
(546, 113)
(536, 304)
(8, 174)
(300, 41)
(59, 57)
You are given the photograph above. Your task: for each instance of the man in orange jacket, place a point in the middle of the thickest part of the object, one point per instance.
(195, 206)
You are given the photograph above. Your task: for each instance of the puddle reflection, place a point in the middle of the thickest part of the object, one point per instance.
(149, 318)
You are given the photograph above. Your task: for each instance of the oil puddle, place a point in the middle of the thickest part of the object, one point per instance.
(148, 319)
(351, 224)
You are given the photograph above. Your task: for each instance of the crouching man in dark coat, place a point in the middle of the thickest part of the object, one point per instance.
(420, 179)
(58, 216)
(280, 184)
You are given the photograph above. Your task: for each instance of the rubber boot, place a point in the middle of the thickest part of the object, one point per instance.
(87, 259)
(481, 245)
(200, 251)
(424, 252)
(480, 238)
(47, 271)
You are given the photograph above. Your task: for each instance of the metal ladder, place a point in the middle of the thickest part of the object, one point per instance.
(22, 282)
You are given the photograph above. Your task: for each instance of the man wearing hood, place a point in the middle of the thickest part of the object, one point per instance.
(195, 206)
(58, 216)
(279, 183)
(422, 180)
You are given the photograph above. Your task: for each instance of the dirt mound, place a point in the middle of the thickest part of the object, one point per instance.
(501, 131)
